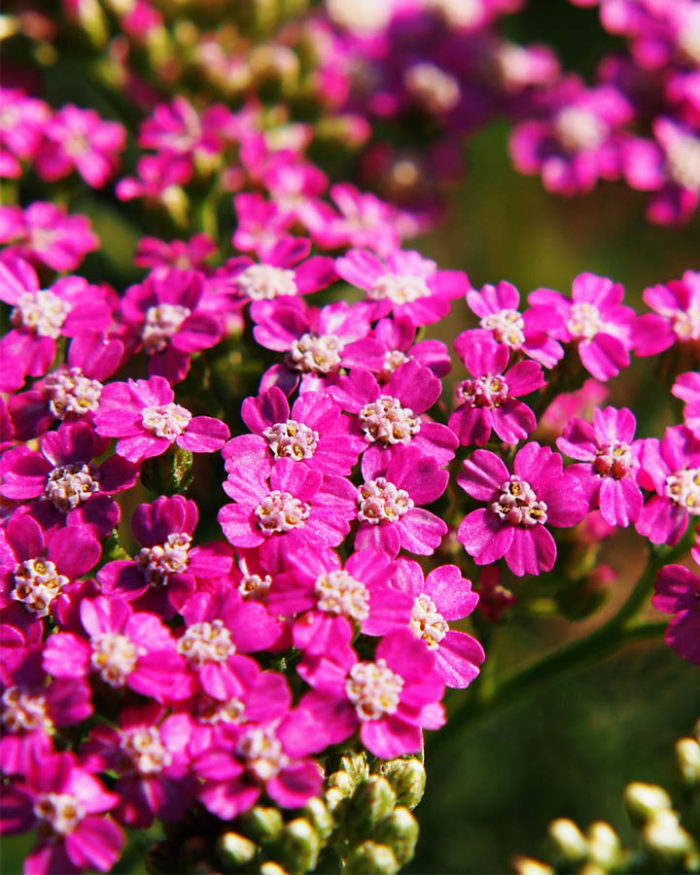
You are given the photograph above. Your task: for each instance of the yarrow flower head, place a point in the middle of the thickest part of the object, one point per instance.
(678, 593)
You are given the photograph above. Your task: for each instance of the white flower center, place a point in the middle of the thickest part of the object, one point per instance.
(683, 488)
(42, 312)
(578, 129)
(437, 90)
(253, 586)
(211, 711)
(204, 643)
(24, 711)
(683, 161)
(162, 322)
(61, 811)
(263, 753)
(315, 354)
(37, 584)
(393, 358)
(584, 321)
(399, 288)
(71, 392)
(490, 391)
(159, 562)
(281, 512)
(381, 501)
(427, 622)
(387, 422)
(373, 689)
(166, 421)
(114, 656)
(69, 486)
(507, 326)
(291, 440)
(686, 323)
(518, 505)
(613, 460)
(145, 749)
(263, 282)
(688, 38)
(340, 594)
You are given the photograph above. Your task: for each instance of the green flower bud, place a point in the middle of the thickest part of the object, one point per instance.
(371, 859)
(399, 831)
(318, 815)
(371, 803)
(297, 846)
(527, 866)
(234, 849)
(170, 473)
(604, 847)
(272, 868)
(407, 777)
(666, 838)
(567, 841)
(262, 824)
(356, 765)
(339, 786)
(644, 801)
(688, 757)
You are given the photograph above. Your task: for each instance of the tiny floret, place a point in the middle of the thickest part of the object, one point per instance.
(291, 439)
(37, 584)
(339, 593)
(381, 501)
(387, 422)
(281, 512)
(374, 689)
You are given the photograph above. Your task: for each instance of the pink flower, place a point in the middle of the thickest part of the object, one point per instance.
(159, 178)
(261, 223)
(178, 129)
(69, 487)
(672, 469)
(561, 411)
(386, 503)
(79, 139)
(22, 121)
(678, 593)
(63, 803)
(595, 321)
(677, 316)
(364, 220)
(144, 417)
(687, 388)
(487, 401)
(396, 337)
(497, 309)
(389, 415)
(406, 284)
(44, 233)
(609, 466)
(182, 254)
(519, 505)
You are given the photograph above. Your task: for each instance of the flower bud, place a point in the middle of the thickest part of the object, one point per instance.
(644, 801)
(371, 858)
(318, 815)
(234, 849)
(666, 838)
(272, 868)
(355, 764)
(407, 778)
(297, 846)
(527, 866)
(371, 802)
(567, 840)
(170, 473)
(603, 845)
(688, 758)
(263, 823)
(399, 831)
(339, 787)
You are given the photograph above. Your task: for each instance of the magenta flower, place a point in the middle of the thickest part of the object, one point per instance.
(406, 284)
(390, 699)
(146, 421)
(148, 753)
(397, 336)
(609, 466)
(79, 139)
(595, 320)
(44, 233)
(677, 316)
(497, 309)
(386, 503)
(22, 121)
(159, 178)
(580, 403)
(165, 571)
(63, 803)
(178, 129)
(261, 223)
(441, 596)
(488, 400)
(283, 503)
(672, 469)
(364, 221)
(519, 505)
(183, 254)
(687, 388)
(678, 593)
(314, 432)
(171, 315)
(121, 647)
(70, 307)
(69, 487)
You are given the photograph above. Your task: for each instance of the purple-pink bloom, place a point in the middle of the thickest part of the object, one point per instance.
(44, 233)
(396, 337)
(678, 593)
(687, 388)
(671, 468)
(608, 453)
(519, 506)
(677, 316)
(364, 221)
(488, 400)
(183, 254)
(146, 421)
(22, 121)
(595, 320)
